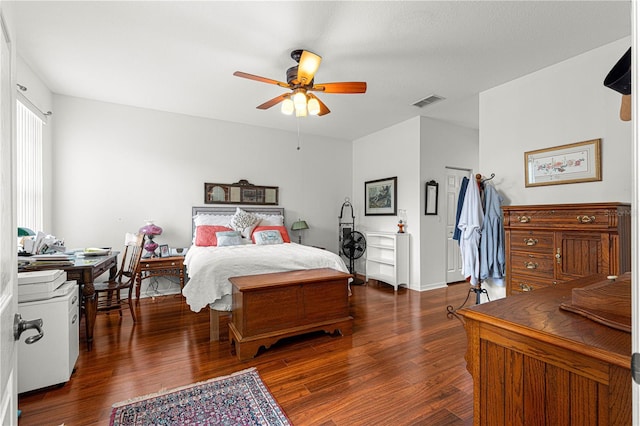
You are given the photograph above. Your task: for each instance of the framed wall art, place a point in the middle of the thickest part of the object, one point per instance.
(380, 197)
(241, 192)
(572, 163)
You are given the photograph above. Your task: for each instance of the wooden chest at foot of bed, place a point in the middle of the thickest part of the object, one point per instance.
(269, 307)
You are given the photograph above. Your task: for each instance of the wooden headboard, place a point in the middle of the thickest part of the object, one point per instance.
(230, 210)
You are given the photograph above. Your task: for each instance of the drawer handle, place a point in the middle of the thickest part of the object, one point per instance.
(558, 256)
(525, 287)
(531, 241)
(73, 301)
(586, 219)
(530, 265)
(524, 219)
(73, 320)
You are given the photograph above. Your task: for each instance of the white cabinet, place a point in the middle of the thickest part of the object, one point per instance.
(388, 258)
(50, 360)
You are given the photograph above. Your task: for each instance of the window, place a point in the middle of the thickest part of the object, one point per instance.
(29, 168)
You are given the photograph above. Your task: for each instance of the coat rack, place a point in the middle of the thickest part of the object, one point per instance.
(477, 289)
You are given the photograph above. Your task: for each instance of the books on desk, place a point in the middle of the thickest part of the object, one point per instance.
(37, 260)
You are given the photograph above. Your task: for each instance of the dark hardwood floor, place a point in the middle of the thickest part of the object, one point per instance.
(403, 365)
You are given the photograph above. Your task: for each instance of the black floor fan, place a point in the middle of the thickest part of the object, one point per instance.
(353, 246)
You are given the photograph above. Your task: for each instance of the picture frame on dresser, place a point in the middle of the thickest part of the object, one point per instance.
(380, 197)
(164, 250)
(571, 163)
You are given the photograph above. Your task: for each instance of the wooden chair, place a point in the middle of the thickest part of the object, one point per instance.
(108, 293)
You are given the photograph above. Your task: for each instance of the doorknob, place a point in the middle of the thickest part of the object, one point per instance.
(20, 326)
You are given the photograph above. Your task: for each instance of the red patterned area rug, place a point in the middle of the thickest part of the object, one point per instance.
(238, 399)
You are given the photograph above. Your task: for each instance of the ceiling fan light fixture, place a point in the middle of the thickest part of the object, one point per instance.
(302, 112)
(300, 100)
(313, 106)
(308, 66)
(287, 107)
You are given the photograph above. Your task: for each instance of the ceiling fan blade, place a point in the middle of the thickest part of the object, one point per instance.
(342, 87)
(260, 79)
(308, 66)
(274, 101)
(323, 108)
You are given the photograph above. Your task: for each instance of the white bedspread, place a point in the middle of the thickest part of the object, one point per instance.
(209, 268)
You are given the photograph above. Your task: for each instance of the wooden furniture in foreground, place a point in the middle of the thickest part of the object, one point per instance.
(84, 271)
(550, 244)
(534, 363)
(160, 266)
(269, 307)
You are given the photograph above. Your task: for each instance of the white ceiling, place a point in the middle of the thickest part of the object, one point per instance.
(179, 56)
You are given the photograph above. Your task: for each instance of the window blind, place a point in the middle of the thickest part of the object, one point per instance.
(29, 168)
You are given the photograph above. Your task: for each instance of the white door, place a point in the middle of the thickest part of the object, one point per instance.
(8, 235)
(452, 189)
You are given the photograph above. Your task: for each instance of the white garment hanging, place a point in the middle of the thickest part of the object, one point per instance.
(470, 225)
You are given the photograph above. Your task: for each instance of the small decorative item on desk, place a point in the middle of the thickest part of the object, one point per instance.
(150, 230)
(402, 220)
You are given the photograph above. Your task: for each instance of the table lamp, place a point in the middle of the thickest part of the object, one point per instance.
(299, 226)
(150, 230)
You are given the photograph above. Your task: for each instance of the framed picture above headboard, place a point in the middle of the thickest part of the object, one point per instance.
(241, 192)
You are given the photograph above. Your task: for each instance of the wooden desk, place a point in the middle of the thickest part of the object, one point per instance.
(534, 363)
(269, 307)
(85, 270)
(160, 266)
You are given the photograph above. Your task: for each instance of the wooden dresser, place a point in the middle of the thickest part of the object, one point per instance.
(535, 364)
(550, 244)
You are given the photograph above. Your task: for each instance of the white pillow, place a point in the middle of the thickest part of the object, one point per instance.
(270, 219)
(267, 237)
(244, 222)
(212, 220)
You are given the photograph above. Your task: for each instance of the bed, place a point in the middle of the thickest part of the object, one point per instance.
(212, 260)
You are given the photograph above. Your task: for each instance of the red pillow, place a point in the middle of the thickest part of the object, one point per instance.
(206, 235)
(282, 229)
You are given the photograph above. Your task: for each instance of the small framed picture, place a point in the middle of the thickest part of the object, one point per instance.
(164, 250)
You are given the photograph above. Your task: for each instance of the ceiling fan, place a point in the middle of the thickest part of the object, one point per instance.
(300, 80)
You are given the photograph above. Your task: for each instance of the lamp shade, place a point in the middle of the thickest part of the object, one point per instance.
(287, 107)
(313, 106)
(25, 232)
(299, 225)
(150, 229)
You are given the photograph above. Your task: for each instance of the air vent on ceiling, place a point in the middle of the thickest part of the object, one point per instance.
(428, 101)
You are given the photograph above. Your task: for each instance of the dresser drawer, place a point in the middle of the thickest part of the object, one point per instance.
(580, 218)
(534, 240)
(540, 265)
(522, 283)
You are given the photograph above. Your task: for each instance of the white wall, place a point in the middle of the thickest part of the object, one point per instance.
(442, 144)
(394, 151)
(561, 104)
(416, 151)
(115, 166)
